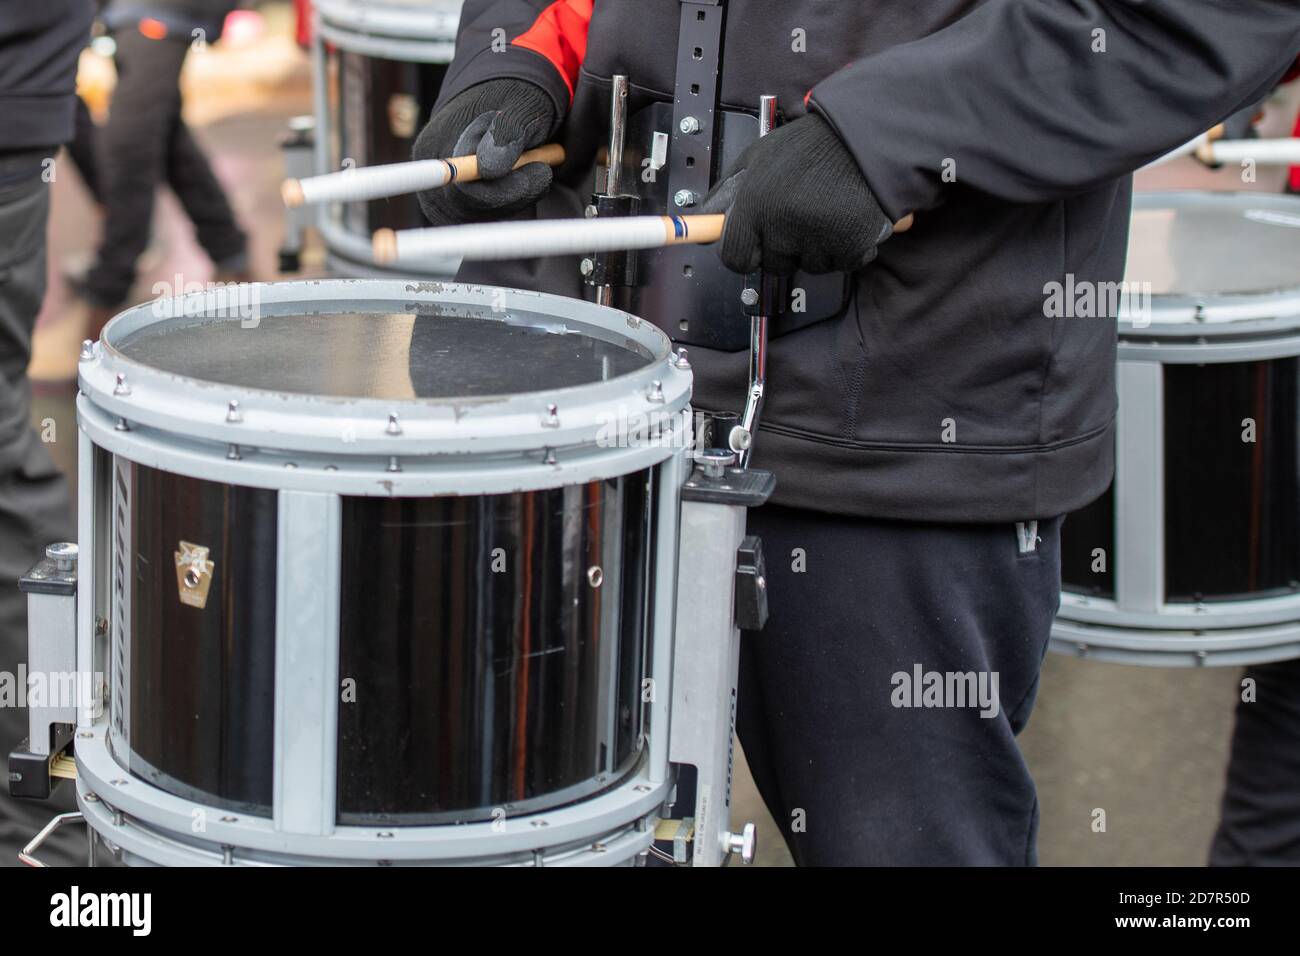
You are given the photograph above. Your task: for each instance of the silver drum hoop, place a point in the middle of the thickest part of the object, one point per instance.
(1232, 319)
(310, 439)
(417, 32)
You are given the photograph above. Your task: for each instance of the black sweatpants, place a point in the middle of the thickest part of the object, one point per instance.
(1260, 820)
(34, 506)
(858, 609)
(144, 143)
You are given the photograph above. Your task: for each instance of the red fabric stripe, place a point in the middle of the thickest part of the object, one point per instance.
(560, 35)
(1295, 170)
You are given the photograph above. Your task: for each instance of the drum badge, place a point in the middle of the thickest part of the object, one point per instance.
(193, 574)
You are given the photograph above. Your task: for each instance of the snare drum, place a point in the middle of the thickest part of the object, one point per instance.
(1193, 555)
(378, 65)
(382, 573)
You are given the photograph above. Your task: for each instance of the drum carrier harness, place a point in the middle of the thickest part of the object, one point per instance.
(665, 159)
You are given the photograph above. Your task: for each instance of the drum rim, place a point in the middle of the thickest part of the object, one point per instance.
(386, 19)
(611, 412)
(1260, 314)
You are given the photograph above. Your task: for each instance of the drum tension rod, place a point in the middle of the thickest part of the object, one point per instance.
(607, 271)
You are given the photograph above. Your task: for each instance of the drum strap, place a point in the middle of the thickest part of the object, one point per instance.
(699, 68)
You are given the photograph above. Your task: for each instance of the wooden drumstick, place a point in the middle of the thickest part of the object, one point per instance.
(396, 179)
(552, 237)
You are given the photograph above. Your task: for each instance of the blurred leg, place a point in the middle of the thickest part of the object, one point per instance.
(1260, 820)
(191, 178)
(34, 505)
(133, 151)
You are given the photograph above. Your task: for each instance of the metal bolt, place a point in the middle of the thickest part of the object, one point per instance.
(394, 427)
(591, 212)
(749, 297)
(392, 464)
(121, 388)
(595, 576)
(656, 392)
(683, 359)
(689, 124)
(586, 267)
(685, 197)
(548, 457)
(87, 350)
(740, 439)
(63, 554)
(552, 417)
(715, 461)
(232, 452)
(233, 414)
(122, 426)
(744, 844)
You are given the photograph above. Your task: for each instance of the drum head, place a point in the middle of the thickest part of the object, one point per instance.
(1212, 266)
(429, 353)
(1216, 245)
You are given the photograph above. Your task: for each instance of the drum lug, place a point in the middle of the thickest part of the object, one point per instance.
(193, 574)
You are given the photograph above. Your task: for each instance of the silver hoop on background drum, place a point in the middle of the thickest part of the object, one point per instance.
(1192, 557)
(396, 607)
(377, 68)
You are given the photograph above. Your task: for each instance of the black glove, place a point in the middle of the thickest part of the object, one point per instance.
(496, 120)
(796, 199)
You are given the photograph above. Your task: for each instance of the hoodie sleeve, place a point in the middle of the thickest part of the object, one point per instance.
(1035, 100)
(534, 40)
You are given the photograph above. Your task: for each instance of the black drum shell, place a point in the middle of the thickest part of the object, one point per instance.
(377, 108)
(492, 648)
(1232, 506)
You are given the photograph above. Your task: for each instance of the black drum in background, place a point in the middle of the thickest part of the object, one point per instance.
(378, 66)
(1193, 554)
(379, 106)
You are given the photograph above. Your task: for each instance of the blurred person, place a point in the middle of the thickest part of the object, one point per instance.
(145, 142)
(1259, 820)
(928, 437)
(39, 45)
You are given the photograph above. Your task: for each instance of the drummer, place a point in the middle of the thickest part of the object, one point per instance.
(928, 439)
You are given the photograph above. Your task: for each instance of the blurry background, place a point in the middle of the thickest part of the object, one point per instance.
(1148, 745)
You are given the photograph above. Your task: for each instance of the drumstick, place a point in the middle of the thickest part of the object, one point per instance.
(396, 179)
(1285, 152)
(552, 237)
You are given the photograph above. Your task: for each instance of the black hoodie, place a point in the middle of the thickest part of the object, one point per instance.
(40, 41)
(946, 391)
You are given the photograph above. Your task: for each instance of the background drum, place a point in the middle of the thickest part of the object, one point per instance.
(398, 606)
(1193, 556)
(377, 68)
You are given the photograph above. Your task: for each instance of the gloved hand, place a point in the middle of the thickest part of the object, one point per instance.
(796, 199)
(496, 120)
